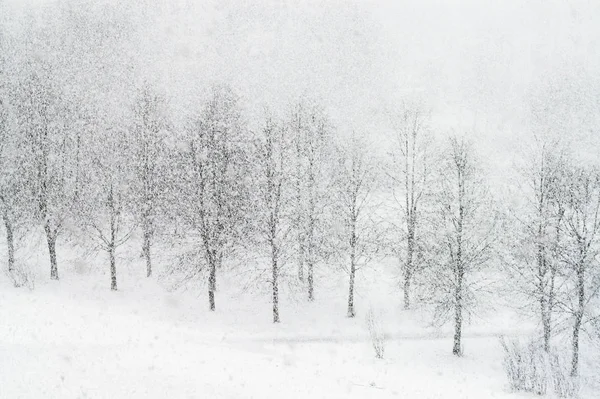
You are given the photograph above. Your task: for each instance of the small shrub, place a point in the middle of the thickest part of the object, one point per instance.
(376, 333)
(530, 369)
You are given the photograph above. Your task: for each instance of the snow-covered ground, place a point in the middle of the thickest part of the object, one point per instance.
(76, 339)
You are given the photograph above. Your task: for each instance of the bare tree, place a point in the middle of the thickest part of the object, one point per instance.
(355, 181)
(42, 119)
(410, 174)
(215, 179)
(580, 250)
(467, 227)
(7, 169)
(534, 260)
(297, 126)
(311, 137)
(149, 128)
(105, 205)
(274, 180)
(14, 193)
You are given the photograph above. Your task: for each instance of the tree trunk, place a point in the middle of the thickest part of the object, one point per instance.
(542, 273)
(351, 312)
(407, 290)
(550, 304)
(311, 287)
(460, 270)
(311, 258)
(10, 244)
(146, 250)
(113, 238)
(275, 288)
(458, 319)
(575, 358)
(212, 283)
(113, 268)
(578, 319)
(51, 239)
(545, 322)
(310, 240)
(409, 263)
(299, 207)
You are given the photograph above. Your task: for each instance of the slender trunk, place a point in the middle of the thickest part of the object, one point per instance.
(299, 208)
(353, 239)
(311, 258)
(311, 249)
(351, 312)
(542, 272)
(212, 283)
(146, 250)
(457, 348)
(113, 239)
(460, 270)
(51, 239)
(578, 319)
(545, 312)
(113, 268)
(406, 291)
(9, 242)
(551, 302)
(275, 271)
(410, 161)
(311, 287)
(551, 292)
(409, 263)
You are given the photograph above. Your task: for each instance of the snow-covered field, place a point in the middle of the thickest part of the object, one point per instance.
(76, 339)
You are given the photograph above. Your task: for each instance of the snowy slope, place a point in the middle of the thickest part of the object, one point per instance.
(75, 339)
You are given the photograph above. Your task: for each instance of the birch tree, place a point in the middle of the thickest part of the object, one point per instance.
(467, 227)
(298, 126)
(355, 182)
(149, 146)
(215, 179)
(580, 250)
(311, 139)
(410, 175)
(44, 123)
(535, 262)
(273, 206)
(10, 181)
(14, 191)
(105, 208)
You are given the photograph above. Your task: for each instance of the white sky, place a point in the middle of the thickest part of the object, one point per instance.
(478, 66)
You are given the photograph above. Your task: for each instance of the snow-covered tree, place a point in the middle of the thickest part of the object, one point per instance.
(44, 122)
(312, 136)
(105, 205)
(466, 227)
(409, 173)
(355, 182)
(14, 197)
(272, 208)
(150, 127)
(534, 245)
(213, 184)
(580, 249)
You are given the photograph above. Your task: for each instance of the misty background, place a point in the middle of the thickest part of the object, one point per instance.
(500, 70)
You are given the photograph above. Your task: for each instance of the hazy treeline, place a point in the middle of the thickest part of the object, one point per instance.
(85, 145)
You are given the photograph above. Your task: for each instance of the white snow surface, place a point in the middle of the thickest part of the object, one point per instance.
(76, 339)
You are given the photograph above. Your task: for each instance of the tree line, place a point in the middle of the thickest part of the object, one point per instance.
(295, 191)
